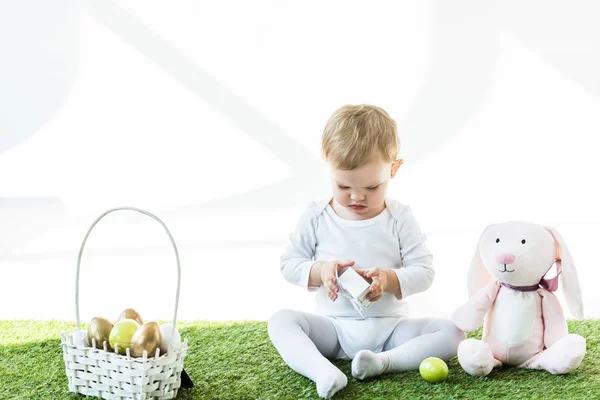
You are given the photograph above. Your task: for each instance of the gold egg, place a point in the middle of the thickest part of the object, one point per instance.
(99, 330)
(130, 313)
(147, 337)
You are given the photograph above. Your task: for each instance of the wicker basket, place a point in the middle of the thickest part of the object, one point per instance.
(98, 372)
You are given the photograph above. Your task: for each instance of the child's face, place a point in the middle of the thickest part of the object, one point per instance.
(360, 193)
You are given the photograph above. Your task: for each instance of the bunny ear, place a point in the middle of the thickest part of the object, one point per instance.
(478, 274)
(570, 281)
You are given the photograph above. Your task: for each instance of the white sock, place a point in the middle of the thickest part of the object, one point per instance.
(367, 364)
(330, 383)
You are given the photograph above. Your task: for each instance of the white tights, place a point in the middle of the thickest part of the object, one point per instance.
(306, 341)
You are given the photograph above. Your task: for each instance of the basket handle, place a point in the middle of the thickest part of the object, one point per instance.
(86, 238)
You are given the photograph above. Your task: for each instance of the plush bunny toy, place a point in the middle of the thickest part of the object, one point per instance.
(524, 322)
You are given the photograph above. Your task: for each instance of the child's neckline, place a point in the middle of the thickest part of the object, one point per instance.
(357, 222)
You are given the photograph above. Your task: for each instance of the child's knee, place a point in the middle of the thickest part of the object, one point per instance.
(454, 334)
(284, 319)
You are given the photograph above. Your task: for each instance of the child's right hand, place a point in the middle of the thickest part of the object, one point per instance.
(328, 276)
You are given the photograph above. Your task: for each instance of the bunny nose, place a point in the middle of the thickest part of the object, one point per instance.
(505, 258)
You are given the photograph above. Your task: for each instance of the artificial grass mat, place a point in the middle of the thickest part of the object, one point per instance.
(235, 360)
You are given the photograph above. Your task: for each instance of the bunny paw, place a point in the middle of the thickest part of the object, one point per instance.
(476, 357)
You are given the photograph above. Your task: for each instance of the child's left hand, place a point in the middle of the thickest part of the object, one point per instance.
(378, 279)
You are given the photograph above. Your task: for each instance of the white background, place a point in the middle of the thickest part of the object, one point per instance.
(209, 115)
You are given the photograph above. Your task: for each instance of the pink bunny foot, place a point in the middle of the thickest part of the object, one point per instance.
(476, 357)
(562, 357)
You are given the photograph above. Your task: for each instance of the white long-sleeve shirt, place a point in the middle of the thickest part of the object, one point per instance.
(391, 239)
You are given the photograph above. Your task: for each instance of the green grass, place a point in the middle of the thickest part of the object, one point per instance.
(236, 360)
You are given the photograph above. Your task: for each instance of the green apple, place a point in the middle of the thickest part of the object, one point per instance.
(122, 333)
(433, 370)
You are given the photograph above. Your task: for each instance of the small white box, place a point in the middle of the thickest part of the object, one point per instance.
(355, 285)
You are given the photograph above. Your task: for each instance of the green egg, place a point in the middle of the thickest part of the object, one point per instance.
(433, 370)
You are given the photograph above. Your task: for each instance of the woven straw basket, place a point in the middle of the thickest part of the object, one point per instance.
(98, 372)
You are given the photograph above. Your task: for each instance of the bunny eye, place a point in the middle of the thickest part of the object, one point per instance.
(497, 240)
(523, 241)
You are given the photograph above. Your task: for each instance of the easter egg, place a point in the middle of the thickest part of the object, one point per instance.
(80, 338)
(130, 313)
(121, 334)
(147, 338)
(433, 370)
(168, 333)
(99, 329)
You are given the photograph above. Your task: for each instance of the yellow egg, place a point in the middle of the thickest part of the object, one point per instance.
(130, 313)
(99, 330)
(147, 337)
(122, 333)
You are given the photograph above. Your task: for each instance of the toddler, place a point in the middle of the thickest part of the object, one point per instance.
(360, 228)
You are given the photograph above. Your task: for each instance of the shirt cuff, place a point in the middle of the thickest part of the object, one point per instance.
(404, 280)
(305, 267)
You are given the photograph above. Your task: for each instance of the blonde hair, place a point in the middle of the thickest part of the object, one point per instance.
(355, 134)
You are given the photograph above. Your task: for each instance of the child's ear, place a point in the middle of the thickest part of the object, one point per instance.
(395, 167)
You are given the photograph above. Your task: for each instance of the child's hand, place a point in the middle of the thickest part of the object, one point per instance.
(328, 276)
(378, 279)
